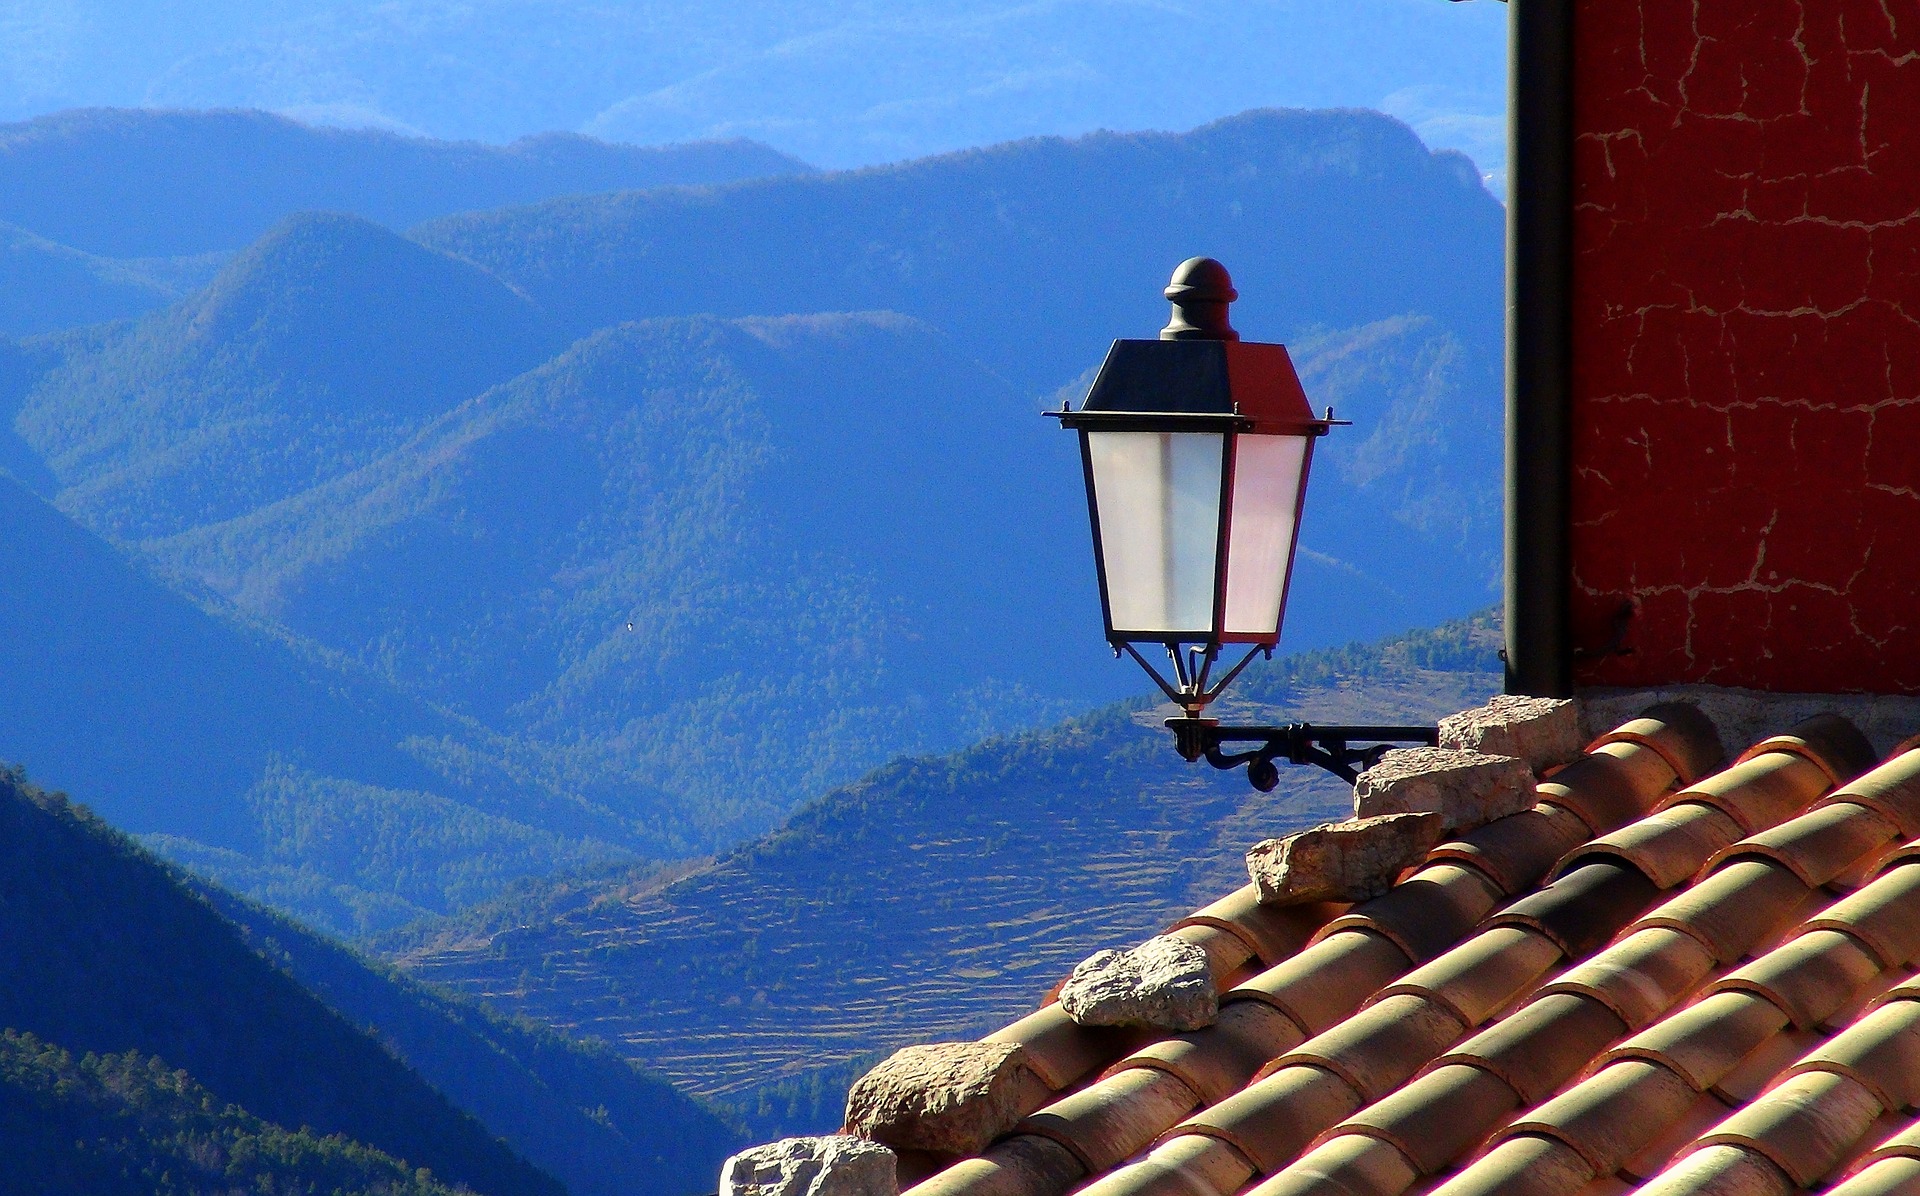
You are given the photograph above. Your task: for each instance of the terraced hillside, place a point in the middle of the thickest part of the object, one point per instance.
(937, 895)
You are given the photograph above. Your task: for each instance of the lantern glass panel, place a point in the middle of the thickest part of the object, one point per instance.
(1158, 496)
(1267, 474)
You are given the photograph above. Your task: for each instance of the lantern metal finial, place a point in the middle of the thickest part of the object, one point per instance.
(1200, 291)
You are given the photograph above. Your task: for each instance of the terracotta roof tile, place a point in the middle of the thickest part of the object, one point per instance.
(1675, 1137)
(1113, 1118)
(1379, 1048)
(1273, 1119)
(1540, 1047)
(1809, 978)
(1423, 1120)
(1432, 1039)
(1328, 980)
(1584, 908)
(1721, 1171)
(1889, 1177)
(1061, 1052)
(1706, 1040)
(1516, 851)
(1736, 908)
(1669, 846)
(1219, 1060)
(1829, 740)
(1229, 958)
(1350, 1165)
(1803, 1126)
(1890, 1125)
(1642, 976)
(1606, 1119)
(1746, 1080)
(1904, 1143)
(1884, 916)
(1820, 844)
(1684, 739)
(1522, 1167)
(1181, 1167)
(1881, 1051)
(1893, 791)
(1616, 784)
(1760, 791)
(1484, 974)
(1271, 932)
(1427, 912)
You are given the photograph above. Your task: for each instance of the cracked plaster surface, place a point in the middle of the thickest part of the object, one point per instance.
(1746, 423)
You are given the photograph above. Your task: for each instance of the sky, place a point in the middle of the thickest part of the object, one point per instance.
(840, 83)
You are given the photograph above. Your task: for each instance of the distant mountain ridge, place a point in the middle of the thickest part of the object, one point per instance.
(1035, 254)
(139, 182)
(106, 214)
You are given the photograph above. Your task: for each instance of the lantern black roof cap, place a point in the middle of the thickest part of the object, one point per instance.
(1199, 376)
(1200, 291)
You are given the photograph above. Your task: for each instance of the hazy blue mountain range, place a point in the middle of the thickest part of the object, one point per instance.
(107, 214)
(456, 466)
(316, 786)
(46, 286)
(1035, 254)
(843, 83)
(103, 953)
(129, 183)
(936, 897)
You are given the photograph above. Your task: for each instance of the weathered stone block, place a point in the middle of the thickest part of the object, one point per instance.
(948, 1098)
(1542, 731)
(1467, 789)
(834, 1165)
(1341, 861)
(1164, 982)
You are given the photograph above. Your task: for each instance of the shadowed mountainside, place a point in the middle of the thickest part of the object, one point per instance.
(102, 952)
(595, 1121)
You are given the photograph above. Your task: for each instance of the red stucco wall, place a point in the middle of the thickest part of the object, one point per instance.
(1746, 440)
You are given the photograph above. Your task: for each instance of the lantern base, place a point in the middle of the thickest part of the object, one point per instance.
(1332, 748)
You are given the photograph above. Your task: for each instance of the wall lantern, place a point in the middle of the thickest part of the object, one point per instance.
(1196, 449)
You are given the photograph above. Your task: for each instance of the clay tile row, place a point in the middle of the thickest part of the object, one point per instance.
(1521, 1059)
(1661, 1076)
(1321, 964)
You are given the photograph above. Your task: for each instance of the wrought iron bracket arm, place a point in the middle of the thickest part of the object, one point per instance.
(1344, 751)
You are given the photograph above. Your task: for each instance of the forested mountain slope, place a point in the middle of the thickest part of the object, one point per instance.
(127, 1124)
(46, 286)
(140, 182)
(326, 342)
(937, 896)
(315, 785)
(600, 1124)
(103, 953)
(680, 573)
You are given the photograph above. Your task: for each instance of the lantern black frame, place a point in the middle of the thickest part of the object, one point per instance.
(1194, 365)
(1190, 688)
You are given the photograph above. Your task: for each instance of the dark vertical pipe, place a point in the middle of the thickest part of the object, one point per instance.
(1539, 345)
